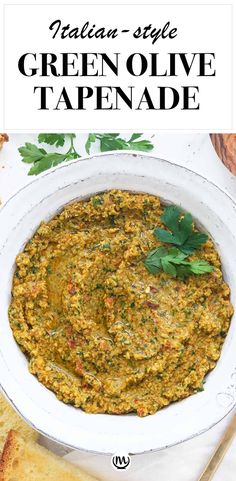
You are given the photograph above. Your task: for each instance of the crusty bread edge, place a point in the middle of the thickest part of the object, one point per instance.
(13, 441)
(6, 456)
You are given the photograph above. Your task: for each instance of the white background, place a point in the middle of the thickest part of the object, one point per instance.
(201, 28)
(186, 461)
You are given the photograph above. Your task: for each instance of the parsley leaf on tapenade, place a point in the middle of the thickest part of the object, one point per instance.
(173, 262)
(184, 240)
(180, 233)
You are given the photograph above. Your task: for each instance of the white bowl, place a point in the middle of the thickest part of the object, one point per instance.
(40, 200)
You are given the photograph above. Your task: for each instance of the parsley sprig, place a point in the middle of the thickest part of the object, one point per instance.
(42, 160)
(173, 262)
(180, 232)
(185, 240)
(115, 142)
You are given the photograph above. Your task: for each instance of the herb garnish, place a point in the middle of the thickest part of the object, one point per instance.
(173, 262)
(180, 232)
(185, 240)
(114, 142)
(43, 160)
(54, 139)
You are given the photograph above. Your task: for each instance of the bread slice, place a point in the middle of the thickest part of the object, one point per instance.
(3, 138)
(9, 419)
(28, 461)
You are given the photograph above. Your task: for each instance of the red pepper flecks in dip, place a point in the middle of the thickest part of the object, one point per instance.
(101, 331)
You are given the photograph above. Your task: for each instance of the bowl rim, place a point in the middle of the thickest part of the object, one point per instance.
(93, 158)
(132, 153)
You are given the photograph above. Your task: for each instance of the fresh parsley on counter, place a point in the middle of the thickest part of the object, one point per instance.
(185, 240)
(42, 160)
(114, 142)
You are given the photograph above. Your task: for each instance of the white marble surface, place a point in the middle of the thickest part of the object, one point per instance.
(186, 461)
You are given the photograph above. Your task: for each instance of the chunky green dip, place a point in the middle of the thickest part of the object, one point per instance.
(101, 331)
